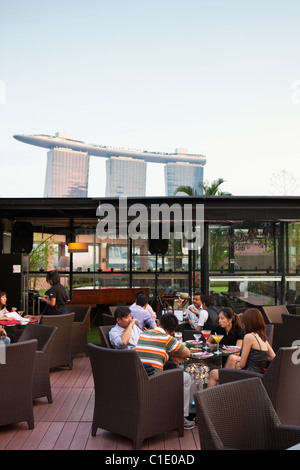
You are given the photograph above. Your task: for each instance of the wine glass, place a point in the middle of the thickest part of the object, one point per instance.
(197, 337)
(217, 338)
(178, 335)
(206, 334)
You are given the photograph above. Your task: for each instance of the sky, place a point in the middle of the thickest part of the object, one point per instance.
(218, 77)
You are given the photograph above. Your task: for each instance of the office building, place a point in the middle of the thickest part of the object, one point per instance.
(67, 173)
(125, 177)
(182, 174)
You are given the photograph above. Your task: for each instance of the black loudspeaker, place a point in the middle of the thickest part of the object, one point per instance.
(22, 237)
(158, 247)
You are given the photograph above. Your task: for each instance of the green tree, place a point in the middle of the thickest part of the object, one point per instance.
(218, 237)
(40, 255)
(206, 189)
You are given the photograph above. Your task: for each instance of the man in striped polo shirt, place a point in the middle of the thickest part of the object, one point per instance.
(157, 346)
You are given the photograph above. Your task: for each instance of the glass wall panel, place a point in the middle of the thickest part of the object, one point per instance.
(244, 260)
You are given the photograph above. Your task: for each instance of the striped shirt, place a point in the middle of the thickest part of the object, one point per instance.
(154, 346)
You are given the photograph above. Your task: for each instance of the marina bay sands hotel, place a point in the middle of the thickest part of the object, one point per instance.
(68, 160)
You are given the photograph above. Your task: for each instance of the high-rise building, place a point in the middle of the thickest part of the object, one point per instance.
(182, 174)
(125, 177)
(67, 173)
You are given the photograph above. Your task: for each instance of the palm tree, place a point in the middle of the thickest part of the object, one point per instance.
(204, 188)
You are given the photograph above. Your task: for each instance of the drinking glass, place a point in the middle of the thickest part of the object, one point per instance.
(206, 334)
(217, 338)
(178, 335)
(197, 338)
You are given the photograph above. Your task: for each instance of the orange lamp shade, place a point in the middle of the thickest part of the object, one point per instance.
(78, 247)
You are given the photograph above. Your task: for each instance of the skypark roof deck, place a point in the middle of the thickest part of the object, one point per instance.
(48, 141)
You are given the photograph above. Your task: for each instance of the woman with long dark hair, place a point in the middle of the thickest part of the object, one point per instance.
(256, 350)
(230, 327)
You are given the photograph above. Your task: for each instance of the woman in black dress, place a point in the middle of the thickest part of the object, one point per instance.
(256, 350)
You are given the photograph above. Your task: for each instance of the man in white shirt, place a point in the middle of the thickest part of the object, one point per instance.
(195, 314)
(125, 334)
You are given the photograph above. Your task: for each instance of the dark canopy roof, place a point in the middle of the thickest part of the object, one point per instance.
(47, 214)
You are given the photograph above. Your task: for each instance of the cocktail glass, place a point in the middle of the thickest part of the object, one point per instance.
(206, 334)
(197, 338)
(217, 338)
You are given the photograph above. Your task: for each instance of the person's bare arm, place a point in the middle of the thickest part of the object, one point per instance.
(125, 337)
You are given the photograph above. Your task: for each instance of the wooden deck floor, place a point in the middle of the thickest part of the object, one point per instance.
(66, 423)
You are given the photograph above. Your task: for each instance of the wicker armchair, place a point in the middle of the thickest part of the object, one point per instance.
(108, 319)
(241, 416)
(272, 314)
(188, 334)
(112, 309)
(61, 349)
(130, 403)
(41, 386)
(104, 336)
(281, 381)
(80, 328)
(16, 383)
(291, 328)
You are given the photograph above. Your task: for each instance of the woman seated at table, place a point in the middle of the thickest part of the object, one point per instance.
(3, 307)
(55, 298)
(229, 327)
(256, 350)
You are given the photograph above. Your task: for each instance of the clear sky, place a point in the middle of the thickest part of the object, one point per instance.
(218, 77)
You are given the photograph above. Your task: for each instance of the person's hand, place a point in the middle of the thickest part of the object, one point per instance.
(176, 359)
(193, 310)
(3, 332)
(14, 309)
(133, 321)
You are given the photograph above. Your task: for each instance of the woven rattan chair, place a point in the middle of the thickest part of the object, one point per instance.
(61, 348)
(270, 333)
(241, 416)
(188, 334)
(130, 403)
(112, 309)
(108, 319)
(80, 328)
(272, 314)
(41, 386)
(16, 383)
(281, 380)
(291, 328)
(104, 335)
